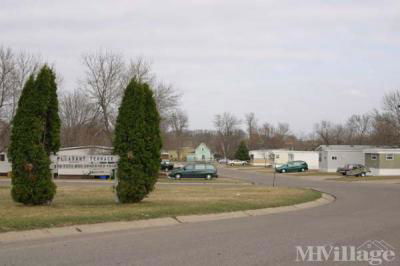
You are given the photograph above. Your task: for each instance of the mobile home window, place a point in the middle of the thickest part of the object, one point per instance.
(2, 157)
(389, 157)
(334, 158)
(374, 157)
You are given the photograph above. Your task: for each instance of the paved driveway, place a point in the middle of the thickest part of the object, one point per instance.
(361, 212)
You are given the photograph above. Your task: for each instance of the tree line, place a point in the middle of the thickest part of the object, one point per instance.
(377, 127)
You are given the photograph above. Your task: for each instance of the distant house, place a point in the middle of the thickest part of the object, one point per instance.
(201, 153)
(181, 154)
(383, 161)
(264, 157)
(333, 156)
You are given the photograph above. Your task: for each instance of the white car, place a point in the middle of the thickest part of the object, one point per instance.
(236, 162)
(223, 161)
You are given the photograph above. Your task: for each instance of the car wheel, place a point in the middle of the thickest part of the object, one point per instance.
(302, 170)
(283, 171)
(363, 174)
(208, 177)
(178, 176)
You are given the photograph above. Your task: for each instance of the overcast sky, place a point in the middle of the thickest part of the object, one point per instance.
(285, 60)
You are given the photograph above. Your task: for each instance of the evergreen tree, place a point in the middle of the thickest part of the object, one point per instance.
(137, 142)
(35, 133)
(153, 138)
(53, 122)
(242, 153)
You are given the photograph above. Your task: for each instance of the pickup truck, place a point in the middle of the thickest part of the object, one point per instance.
(353, 170)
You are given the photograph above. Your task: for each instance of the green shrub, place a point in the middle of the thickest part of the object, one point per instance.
(137, 142)
(35, 133)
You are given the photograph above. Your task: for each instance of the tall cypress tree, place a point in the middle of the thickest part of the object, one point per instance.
(53, 122)
(29, 149)
(137, 142)
(153, 137)
(242, 153)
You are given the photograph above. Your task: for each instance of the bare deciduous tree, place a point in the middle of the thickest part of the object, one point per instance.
(179, 122)
(80, 120)
(25, 65)
(107, 75)
(104, 83)
(7, 75)
(226, 125)
(252, 130)
(140, 70)
(15, 68)
(359, 128)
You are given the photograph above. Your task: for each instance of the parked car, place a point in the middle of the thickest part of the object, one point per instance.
(353, 170)
(293, 166)
(237, 162)
(166, 165)
(223, 161)
(195, 170)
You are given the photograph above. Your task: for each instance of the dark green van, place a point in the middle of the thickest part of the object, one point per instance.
(294, 166)
(195, 170)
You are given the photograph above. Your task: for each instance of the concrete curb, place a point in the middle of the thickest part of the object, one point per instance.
(86, 229)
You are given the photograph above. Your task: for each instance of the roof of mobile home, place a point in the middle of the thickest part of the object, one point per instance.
(86, 147)
(278, 150)
(344, 147)
(383, 151)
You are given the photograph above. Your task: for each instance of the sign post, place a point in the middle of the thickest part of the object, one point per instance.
(273, 156)
(115, 184)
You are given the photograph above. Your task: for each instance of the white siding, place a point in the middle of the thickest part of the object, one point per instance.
(94, 161)
(384, 172)
(284, 156)
(310, 157)
(5, 166)
(332, 160)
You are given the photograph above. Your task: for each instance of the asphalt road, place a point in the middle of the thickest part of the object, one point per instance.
(362, 212)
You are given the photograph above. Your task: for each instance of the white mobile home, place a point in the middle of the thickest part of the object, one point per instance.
(331, 157)
(264, 157)
(310, 157)
(383, 161)
(85, 162)
(5, 166)
(77, 162)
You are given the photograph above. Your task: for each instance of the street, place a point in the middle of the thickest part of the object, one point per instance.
(361, 212)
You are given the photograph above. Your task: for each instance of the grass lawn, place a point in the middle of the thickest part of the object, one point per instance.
(266, 170)
(243, 167)
(366, 178)
(76, 204)
(312, 173)
(219, 180)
